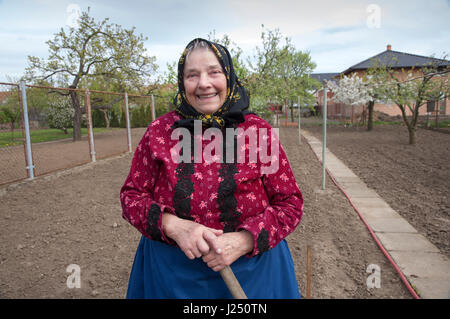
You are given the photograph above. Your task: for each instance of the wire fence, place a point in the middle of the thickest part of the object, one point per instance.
(12, 159)
(37, 126)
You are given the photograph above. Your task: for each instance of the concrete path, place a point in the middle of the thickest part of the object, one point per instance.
(425, 267)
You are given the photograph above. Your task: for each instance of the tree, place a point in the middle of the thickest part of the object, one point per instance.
(236, 53)
(279, 72)
(9, 115)
(292, 69)
(351, 90)
(165, 90)
(375, 94)
(104, 103)
(410, 91)
(10, 110)
(61, 113)
(91, 50)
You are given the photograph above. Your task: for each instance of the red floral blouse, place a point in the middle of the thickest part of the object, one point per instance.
(231, 196)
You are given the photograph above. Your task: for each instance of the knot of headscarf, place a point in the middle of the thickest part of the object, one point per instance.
(236, 103)
(229, 119)
(212, 120)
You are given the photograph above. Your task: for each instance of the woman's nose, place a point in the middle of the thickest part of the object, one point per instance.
(204, 81)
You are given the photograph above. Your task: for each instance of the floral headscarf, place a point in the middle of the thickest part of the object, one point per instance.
(236, 103)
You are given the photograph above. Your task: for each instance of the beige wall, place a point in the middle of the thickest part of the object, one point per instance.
(337, 110)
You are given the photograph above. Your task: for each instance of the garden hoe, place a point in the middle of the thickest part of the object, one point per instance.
(232, 283)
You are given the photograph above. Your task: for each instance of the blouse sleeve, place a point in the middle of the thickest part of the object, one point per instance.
(139, 207)
(284, 210)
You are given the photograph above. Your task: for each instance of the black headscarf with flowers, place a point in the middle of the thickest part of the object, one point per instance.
(236, 103)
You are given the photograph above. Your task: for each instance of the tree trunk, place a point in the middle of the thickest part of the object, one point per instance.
(105, 115)
(353, 112)
(77, 116)
(12, 130)
(292, 112)
(370, 120)
(411, 126)
(412, 135)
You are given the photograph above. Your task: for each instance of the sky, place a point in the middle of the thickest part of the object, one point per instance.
(337, 34)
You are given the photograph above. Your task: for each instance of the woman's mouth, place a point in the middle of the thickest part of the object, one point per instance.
(206, 96)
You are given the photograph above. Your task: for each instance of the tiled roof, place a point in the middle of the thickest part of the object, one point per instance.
(397, 59)
(4, 95)
(321, 77)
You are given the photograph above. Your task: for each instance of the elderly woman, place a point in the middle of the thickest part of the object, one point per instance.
(199, 216)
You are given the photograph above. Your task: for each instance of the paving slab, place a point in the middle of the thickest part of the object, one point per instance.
(342, 173)
(389, 225)
(374, 203)
(425, 267)
(406, 242)
(427, 271)
(357, 190)
(342, 180)
(373, 213)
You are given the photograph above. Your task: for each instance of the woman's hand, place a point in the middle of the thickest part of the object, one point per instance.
(232, 246)
(194, 239)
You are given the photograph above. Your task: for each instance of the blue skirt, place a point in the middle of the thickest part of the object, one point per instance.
(162, 271)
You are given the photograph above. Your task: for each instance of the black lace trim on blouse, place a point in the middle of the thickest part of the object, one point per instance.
(226, 198)
(153, 216)
(184, 187)
(183, 190)
(262, 242)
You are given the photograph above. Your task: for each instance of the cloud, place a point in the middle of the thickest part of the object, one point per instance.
(299, 17)
(336, 33)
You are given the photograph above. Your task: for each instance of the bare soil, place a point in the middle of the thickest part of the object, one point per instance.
(56, 155)
(413, 179)
(74, 217)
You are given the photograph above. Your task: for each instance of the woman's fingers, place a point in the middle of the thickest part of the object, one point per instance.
(189, 254)
(202, 246)
(197, 240)
(218, 268)
(200, 241)
(217, 232)
(212, 261)
(211, 239)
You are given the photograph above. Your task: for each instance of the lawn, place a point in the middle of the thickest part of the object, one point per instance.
(38, 136)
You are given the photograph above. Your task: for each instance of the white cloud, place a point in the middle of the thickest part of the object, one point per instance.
(335, 32)
(299, 17)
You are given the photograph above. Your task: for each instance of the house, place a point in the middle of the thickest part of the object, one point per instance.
(335, 110)
(4, 96)
(403, 62)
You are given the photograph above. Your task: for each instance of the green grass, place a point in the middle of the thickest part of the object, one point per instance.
(38, 136)
(348, 123)
(441, 124)
(386, 123)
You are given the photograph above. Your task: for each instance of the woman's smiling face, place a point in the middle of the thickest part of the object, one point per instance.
(204, 81)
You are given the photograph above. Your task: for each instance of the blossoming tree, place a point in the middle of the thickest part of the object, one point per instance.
(351, 90)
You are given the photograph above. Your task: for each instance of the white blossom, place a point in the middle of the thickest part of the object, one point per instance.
(351, 90)
(61, 112)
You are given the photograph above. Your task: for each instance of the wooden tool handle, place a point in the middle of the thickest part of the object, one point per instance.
(232, 283)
